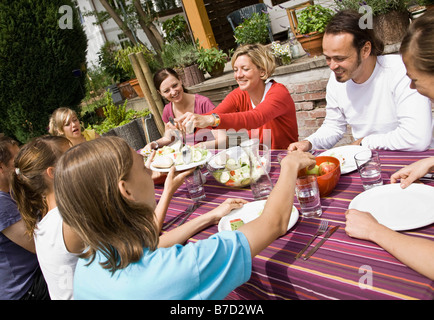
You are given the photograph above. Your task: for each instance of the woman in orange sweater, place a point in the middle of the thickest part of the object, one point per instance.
(256, 104)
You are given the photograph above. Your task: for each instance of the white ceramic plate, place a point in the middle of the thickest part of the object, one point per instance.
(249, 212)
(397, 208)
(184, 166)
(345, 153)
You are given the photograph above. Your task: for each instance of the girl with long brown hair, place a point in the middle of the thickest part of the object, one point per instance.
(105, 193)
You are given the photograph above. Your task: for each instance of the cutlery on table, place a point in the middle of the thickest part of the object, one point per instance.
(193, 208)
(188, 212)
(319, 244)
(321, 229)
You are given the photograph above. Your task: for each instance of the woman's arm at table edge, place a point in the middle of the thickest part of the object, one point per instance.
(415, 252)
(273, 221)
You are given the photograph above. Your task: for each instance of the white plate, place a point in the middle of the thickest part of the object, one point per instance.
(184, 166)
(249, 212)
(347, 153)
(397, 208)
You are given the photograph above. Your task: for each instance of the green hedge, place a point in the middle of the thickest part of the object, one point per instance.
(37, 59)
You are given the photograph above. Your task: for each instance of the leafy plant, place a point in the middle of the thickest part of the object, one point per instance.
(378, 6)
(123, 61)
(176, 29)
(116, 116)
(37, 58)
(179, 54)
(107, 60)
(210, 59)
(253, 30)
(313, 18)
(96, 81)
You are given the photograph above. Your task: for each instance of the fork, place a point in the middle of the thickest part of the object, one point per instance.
(321, 229)
(172, 121)
(187, 212)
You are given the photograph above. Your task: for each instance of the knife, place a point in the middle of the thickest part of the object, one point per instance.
(191, 208)
(319, 244)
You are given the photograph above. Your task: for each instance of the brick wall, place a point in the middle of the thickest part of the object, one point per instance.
(310, 103)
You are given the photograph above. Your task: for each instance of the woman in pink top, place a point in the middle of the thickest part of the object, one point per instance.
(255, 104)
(170, 87)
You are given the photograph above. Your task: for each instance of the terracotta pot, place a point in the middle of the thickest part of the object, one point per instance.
(311, 42)
(127, 90)
(391, 27)
(136, 86)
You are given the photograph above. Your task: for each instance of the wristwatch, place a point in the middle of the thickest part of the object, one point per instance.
(156, 144)
(216, 120)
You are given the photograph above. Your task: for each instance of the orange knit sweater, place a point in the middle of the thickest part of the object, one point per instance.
(276, 113)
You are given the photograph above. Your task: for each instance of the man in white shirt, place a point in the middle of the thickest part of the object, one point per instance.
(368, 91)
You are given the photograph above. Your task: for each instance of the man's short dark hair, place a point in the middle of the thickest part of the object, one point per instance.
(348, 21)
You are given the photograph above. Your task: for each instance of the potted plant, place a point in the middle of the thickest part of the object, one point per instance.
(182, 57)
(390, 18)
(309, 25)
(131, 88)
(253, 30)
(212, 61)
(282, 53)
(106, 57)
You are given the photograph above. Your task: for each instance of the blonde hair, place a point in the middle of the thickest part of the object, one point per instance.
(260, 55)
(60, 117)
(28, 180)
(90, 202)
(419, 42)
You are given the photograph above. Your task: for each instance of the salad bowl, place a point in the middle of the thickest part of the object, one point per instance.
(231, 167)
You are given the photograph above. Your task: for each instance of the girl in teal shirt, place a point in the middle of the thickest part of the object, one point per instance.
(105, 193)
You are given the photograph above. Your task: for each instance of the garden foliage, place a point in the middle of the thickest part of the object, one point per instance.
(37, 59)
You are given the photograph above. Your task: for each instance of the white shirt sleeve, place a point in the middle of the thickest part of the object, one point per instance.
(334, 125)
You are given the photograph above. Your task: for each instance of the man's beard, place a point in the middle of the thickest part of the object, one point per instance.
(340, 78)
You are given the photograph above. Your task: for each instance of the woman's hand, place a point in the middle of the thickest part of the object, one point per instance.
(192, 120)
(299, 158)
(225, 207)
(412, 172)
(360, 224)
(151, 146)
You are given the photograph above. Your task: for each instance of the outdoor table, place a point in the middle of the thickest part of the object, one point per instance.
(342, 268)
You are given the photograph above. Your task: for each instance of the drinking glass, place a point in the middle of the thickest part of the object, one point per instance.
(369, 167)
(194, 183)
(260, 182)
(307, 191)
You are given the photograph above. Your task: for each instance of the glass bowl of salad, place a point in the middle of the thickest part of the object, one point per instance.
(231, 167)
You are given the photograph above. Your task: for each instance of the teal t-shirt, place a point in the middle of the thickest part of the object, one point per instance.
(206, 269)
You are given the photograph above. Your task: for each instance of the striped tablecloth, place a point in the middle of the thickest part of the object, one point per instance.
(343, 268)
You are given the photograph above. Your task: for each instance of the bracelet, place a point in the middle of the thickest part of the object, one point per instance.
(216, 120)
(156, 144)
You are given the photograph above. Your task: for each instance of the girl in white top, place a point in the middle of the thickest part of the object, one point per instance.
(56, 244)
